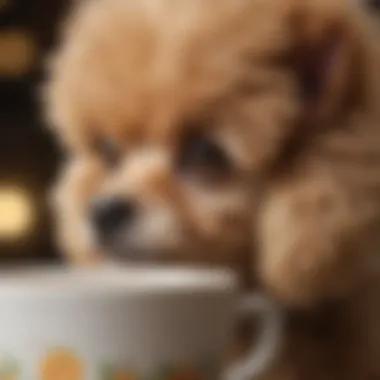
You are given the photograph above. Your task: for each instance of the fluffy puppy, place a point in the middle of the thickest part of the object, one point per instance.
(242, 133)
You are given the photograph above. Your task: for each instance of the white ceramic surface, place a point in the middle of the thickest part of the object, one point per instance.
(117, 324)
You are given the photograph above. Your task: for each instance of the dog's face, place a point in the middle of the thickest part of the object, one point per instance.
(174, 113)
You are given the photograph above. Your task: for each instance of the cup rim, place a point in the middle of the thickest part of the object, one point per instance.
(122, 281)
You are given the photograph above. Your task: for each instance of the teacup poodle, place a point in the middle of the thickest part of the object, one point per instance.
(232, 132)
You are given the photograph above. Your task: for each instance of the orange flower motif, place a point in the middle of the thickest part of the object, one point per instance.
(62, 364)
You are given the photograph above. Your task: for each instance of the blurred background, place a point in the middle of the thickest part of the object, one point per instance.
(28, 155)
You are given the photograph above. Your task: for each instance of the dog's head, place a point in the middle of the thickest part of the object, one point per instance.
(177, 115)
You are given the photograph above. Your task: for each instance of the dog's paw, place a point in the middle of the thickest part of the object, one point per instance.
(307, 241)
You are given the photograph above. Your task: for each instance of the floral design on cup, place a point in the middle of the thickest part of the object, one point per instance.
(61, 364)
(8, 367)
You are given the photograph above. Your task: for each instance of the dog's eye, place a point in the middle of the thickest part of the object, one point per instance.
(202, 155)
(109, 152)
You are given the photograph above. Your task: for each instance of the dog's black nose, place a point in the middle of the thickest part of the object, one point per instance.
(110, 214)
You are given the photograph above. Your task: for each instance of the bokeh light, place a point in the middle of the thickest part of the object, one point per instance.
(16, 214)
(18, 52)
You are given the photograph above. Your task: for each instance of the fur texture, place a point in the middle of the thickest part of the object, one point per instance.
(289, 89)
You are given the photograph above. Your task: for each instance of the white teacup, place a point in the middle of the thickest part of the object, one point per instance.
(135, 323)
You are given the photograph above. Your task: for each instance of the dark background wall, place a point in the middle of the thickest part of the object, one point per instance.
(28, 155)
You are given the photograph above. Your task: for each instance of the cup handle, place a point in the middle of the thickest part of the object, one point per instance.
(263, 353)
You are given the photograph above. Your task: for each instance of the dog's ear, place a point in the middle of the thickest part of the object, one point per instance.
(327, 57)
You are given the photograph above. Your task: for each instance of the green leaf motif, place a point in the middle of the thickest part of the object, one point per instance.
(109, 372)
(162, 374)
(106, 372)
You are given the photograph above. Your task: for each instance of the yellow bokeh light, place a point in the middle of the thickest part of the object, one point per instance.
(16, 214)
(18, 52)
